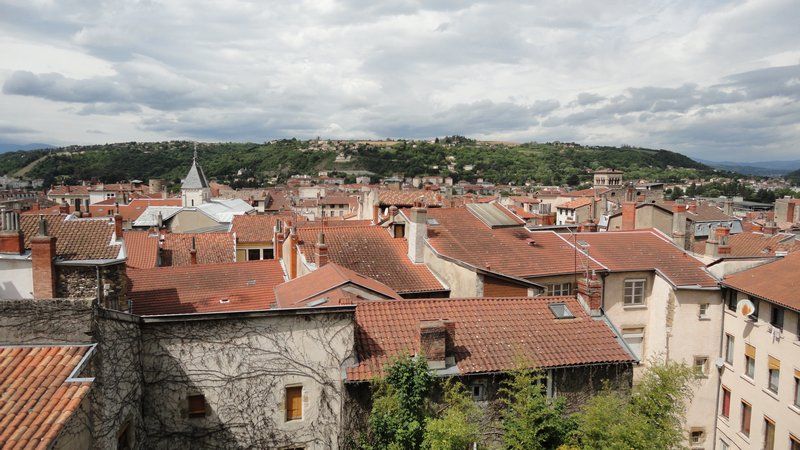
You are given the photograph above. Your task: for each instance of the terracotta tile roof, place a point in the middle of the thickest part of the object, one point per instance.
(752, 244)
(212, 248)
(69, 190)
(407, 198)
(591, 192)
(136, 207)
(37, 396)
(374, 253)
(203, 288)
(775, 281)
(142, 249)
(327, 282)
(512, 251)
(76, 239)
(253, 228)
(577, 203)
(337, 200)
(333, 222)
(622, 251)
(520, 212)
(489, 334)
(524, 199)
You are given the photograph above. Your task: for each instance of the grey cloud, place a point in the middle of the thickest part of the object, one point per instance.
(587, 98)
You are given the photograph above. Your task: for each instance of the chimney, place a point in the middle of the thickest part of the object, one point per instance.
(159, 220)
(770, 228)
(293, 253)
(588, 226)
(417, 232)
(722, 235)
(321, 251)
(712, 246)
(43, 253)
(790, 211)
(376, 212)
(728, 207)
(679, 224)
(629, 216)
(393, 210)
(11, 241)
(193, 252)
(692, 208)
(591, 290)
(118, 226)
(63, 208)
(277, 239)
(433, 342)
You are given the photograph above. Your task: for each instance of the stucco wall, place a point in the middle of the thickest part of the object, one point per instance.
(16, 278)
(188, 220)
(242, 367)
(462, 282)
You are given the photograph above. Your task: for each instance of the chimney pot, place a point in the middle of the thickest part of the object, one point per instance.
(118, 226)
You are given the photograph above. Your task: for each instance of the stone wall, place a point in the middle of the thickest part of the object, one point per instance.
(82, 281)
(58, 321)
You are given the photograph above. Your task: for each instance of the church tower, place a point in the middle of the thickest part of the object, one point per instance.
(194, 188)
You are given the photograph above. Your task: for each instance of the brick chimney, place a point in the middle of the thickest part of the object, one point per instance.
(63, 208)
(588, 226)
(433, 342)
(43, 253)
(591, 290)
(193, 252)
(692, 207)
(629, 215)
(277, 240)
(293, 241)
(770, 228)
(417, 232)
(11, 241)
(712, 246)
(118, 226)
(321, 251)
(722, 234)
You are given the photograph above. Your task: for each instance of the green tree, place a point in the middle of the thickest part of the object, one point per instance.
(530, 420)
(456, 426)
(676, 193)
(651, 417)
(400, 406)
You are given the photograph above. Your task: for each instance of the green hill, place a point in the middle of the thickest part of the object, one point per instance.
(794, 177)
(244, 164)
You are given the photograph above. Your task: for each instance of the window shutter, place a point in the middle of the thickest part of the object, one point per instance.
(774, 364)
(797, 373)
(294, 402)
(750, 351)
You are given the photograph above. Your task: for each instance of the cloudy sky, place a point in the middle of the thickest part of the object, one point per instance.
(713, 79)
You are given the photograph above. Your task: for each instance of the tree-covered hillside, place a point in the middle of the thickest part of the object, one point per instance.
(794, 177)
(254, 164)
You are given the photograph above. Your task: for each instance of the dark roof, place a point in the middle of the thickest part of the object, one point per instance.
(76, 239)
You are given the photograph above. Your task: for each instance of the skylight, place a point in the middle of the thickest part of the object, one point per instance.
(561, 311)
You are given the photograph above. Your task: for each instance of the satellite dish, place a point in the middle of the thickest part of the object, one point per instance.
(720, 363)
(745, 308)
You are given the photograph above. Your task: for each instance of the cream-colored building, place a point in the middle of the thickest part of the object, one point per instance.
(759, 392)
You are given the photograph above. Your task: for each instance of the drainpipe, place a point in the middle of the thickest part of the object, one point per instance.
(719, 370)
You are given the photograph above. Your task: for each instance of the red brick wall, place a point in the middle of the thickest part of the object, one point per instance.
(494, 287)
(43, 250)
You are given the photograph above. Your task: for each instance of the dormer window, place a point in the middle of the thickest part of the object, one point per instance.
(561, 311)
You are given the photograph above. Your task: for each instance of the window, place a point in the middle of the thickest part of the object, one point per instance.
(561, 311)
(726, 402)
(559, 289)
(479, 391)
(197, 405)
(797, 388)
(776, 316)
(634, 337)
(253, 254)
(769, 434)
(747, 410)
(268, 253)
(749, 360)
(729, 347)
(634, 292)
(701, 366)
(697, 436)
(774, 366)
(703, 314)
(731, 299)
(294, 403)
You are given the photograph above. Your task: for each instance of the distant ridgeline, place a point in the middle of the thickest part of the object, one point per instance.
(250, 164)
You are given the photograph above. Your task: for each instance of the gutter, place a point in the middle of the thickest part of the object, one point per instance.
(275, 312)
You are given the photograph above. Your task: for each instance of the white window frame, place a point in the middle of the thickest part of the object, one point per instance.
(627, 333)
(703, 310)
(634, 283)
(559, 289)
(730, 347)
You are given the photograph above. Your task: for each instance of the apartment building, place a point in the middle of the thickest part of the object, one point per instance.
(759, 392)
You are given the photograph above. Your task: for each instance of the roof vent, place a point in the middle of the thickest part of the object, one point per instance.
(531, 242)
(224, 300)
(318, 302)
(561, 311)
(251, 282)
(433, 222)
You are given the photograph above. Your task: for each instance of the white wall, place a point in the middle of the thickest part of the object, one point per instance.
(16, 278)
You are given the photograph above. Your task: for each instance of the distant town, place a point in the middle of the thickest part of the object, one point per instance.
(284, 305)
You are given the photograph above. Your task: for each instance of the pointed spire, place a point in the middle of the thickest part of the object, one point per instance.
(194, 158)
(195, 179)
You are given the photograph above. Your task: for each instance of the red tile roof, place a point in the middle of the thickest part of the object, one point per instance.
(512, 251)
(69, 190)
(76, 239)
(255, 228)
(328, 282)
(142, 249)
(205, 288)
(622, 251)
(775, 281)
(408, 198)
(374, 253)
(37, 396)
(333, 222)
(212, 248)
(136, 207)
(489, 334)
(753, 244)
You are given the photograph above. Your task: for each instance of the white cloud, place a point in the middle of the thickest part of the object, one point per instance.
(685, 75)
